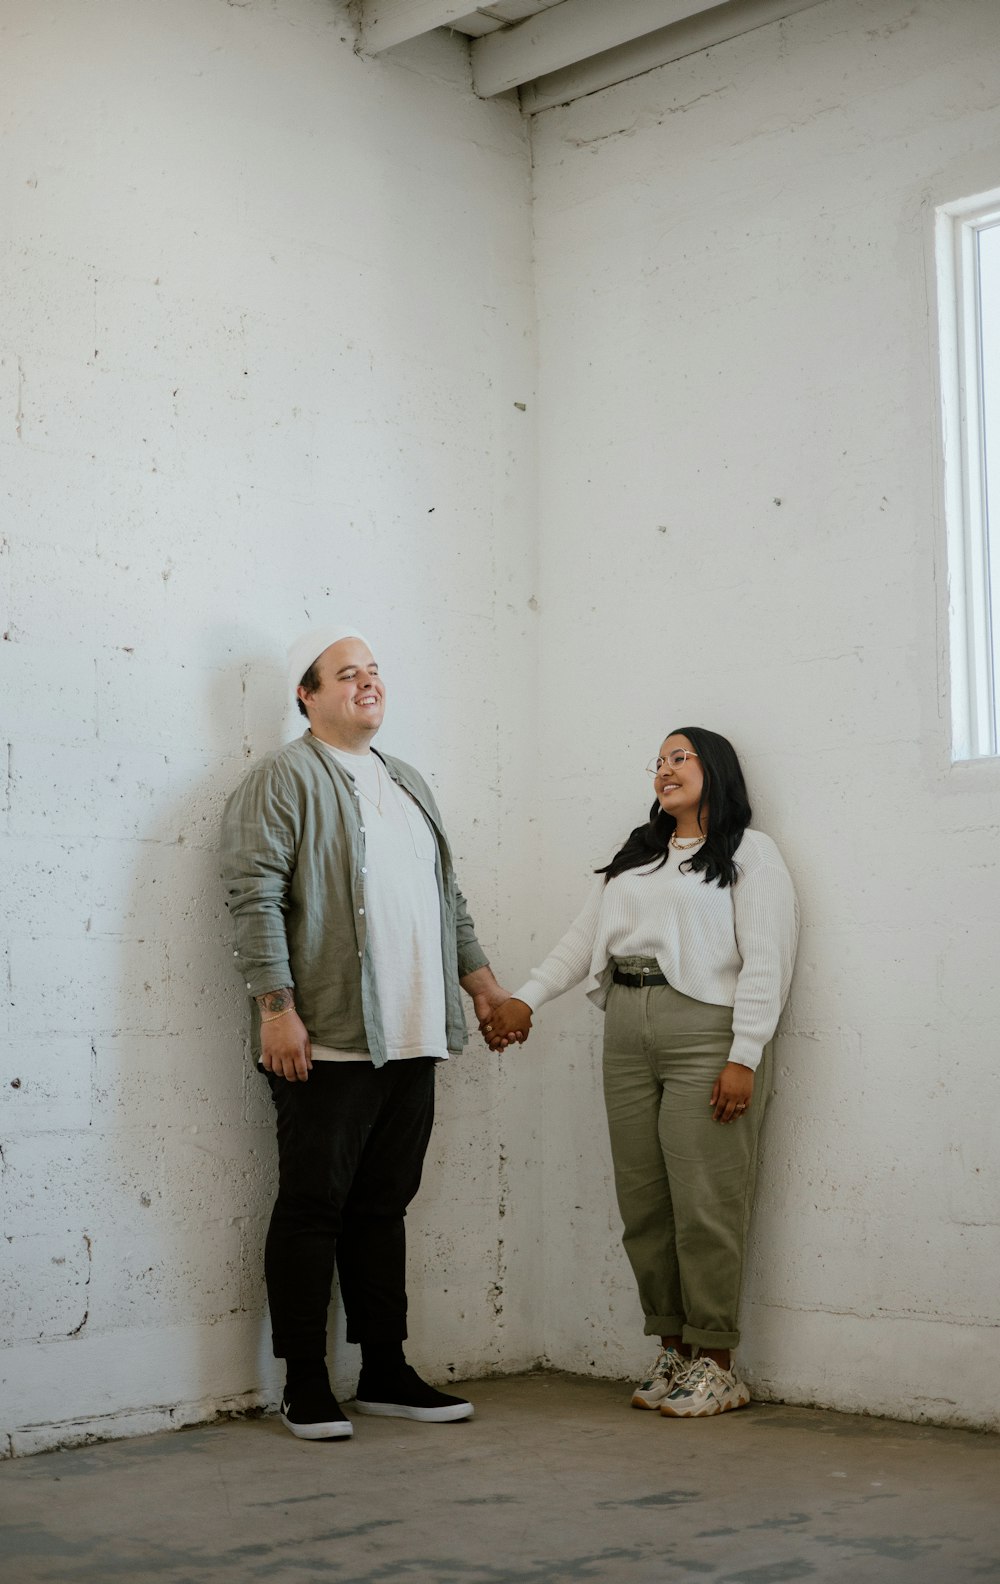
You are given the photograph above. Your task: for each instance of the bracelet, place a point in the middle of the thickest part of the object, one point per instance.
(277, 1015)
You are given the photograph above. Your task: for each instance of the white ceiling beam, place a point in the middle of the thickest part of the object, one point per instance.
(476, 24)
(656, 49)
(385, 23)
(566, 33)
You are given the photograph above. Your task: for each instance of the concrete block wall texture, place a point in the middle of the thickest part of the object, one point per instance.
(741, 527)
(268, 311)
(267, 314)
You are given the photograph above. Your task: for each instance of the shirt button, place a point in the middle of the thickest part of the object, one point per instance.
(248, 984)
(361, 912)
(360, 954)
(362, 830)
(364, 871)
(236, 954)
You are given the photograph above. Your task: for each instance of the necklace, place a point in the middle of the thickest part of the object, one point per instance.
(682, 846)
(378, 777)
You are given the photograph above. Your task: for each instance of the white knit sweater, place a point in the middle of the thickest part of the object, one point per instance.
(731, 946)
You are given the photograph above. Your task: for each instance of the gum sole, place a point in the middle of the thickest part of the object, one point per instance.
(671, 1413)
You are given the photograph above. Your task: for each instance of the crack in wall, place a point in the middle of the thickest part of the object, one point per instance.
(644, 123)
(90, 1265)
(19, 413)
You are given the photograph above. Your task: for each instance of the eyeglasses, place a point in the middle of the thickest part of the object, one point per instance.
(675, 758)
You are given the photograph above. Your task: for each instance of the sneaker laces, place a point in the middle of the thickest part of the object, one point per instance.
(665, 1367)
(699, 1370)
(661, 1367)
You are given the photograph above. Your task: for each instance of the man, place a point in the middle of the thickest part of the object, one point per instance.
(352, 938)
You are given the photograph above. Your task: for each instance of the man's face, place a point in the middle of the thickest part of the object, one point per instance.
(348, 706)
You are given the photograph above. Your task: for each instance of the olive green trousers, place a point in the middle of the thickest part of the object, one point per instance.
(684, 1181)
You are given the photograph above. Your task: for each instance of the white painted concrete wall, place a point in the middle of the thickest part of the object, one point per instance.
(266, 317)
(741, 528)
(267, 311)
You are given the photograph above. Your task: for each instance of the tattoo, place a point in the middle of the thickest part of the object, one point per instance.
(276, 1001)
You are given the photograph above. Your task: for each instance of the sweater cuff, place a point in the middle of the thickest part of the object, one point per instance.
(746, 1051)
(533, 994)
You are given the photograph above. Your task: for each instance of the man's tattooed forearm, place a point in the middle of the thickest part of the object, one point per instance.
(276, 1001)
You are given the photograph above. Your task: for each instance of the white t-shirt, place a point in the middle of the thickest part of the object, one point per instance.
(403, 909)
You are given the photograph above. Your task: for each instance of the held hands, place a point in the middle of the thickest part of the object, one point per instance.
(731, 1092)
(508, 1024)
(487, 999)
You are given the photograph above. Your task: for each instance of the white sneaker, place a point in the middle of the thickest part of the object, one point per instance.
(670, 1366)
(706, 1388)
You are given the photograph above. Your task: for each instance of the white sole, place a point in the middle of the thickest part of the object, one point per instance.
(382, 1410)
(330, 1430)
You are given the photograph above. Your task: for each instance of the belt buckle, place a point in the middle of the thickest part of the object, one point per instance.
(642, 974)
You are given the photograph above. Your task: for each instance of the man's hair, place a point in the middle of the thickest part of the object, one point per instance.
(311, 682)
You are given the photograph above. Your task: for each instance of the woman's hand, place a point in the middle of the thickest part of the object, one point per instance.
(506, 1025)
(732, 1092)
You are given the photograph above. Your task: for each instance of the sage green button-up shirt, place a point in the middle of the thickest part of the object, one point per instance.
(293, 854)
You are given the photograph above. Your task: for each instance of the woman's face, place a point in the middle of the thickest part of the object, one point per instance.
(679, 781)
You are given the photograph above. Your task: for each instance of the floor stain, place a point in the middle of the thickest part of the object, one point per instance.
(690, 1565)
(485, 1501)
(293, 1501)
(584, 1569)
(671, 1498)
(75, 1462)
(371, 1526)
(894, 1548)
(31, 1540)
(771, 1573)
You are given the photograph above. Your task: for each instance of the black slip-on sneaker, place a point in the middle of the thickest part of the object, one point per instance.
(314, 1414)
(403, 1395)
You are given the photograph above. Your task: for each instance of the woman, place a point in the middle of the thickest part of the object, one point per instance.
(687, 942)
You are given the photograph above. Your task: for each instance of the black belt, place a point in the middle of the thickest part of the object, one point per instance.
(639, 981)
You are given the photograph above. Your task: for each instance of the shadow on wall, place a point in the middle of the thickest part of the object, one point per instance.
(190, 1132)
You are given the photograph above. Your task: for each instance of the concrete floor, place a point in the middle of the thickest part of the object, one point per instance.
(556, 1481)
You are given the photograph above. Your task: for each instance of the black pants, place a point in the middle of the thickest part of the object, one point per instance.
(351, 1145)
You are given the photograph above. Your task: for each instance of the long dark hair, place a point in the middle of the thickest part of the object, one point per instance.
(724, 798)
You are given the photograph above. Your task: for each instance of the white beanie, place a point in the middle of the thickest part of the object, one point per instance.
(311, 645)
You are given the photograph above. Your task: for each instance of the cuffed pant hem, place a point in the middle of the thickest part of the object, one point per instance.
(664, 1325)
(710, 1339)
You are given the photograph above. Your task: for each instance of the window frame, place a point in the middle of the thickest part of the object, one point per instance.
(974, 641)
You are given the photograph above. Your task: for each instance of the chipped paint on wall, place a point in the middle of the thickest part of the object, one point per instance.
(742, 526)
(264, 306)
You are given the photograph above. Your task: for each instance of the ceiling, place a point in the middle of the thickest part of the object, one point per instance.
(491, 18)
(553, 51)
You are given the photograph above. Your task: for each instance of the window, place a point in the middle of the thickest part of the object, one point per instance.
(968, 256)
